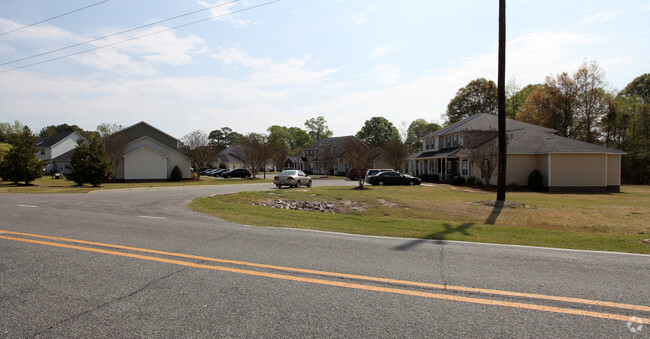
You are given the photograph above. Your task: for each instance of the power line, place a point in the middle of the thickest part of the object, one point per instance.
(114, 34)
(52, 18)
(141, 36)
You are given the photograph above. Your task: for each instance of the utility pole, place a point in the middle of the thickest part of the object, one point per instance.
(501, 103)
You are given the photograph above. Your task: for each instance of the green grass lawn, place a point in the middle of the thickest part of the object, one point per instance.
(49, 185)
(608, 222)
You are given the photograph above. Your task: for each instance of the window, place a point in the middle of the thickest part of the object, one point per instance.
(448, 141)
(42, 151)
(454, 140)
(465, 168)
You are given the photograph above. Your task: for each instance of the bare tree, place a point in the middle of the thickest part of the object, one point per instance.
(254, 151)
(115, 142)
(396, 151)
(201, 153)
(482, 149)
(359, 156)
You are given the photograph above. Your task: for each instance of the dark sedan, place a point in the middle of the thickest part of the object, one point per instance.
(393, 178)
(236, 173)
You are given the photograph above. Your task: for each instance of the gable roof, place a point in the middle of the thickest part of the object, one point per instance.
(136, 131)
(486, 122)
(52, 140)
(537, 142)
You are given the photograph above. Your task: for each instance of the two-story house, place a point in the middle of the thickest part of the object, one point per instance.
(329, 156)
(566, 164)
(57, 151)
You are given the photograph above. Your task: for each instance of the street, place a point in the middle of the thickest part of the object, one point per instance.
(139, 263)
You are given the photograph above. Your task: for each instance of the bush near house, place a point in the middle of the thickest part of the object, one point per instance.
(177, 174)
(470, 181)
(458, 181)
(536, 180)
(429, 177)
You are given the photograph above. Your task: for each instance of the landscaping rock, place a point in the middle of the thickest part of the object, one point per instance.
(313, 206)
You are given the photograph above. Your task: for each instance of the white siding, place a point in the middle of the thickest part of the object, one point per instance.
(145, 163)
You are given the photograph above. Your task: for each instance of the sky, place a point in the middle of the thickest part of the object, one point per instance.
(251, 64)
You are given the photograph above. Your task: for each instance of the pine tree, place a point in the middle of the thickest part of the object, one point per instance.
(21, 164)
(89, 163)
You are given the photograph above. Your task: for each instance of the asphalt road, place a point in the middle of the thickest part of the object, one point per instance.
(177, 273)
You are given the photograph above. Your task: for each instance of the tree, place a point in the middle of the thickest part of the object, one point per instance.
(6, 129)
(479, 96)
(359, 156)
(285, 142)
(318, 129)
(222, 138)
(482, 149)
(201, 153)
(639, 87)
(552, 105)
(592, 103)
(377, 131)
(20, 163)
(417, 130)
(115, 142)
(89, 164)
(516, 100)
(254, 150)
(396, 151)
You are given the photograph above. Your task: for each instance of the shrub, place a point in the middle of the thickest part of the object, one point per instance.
(470, 181)
(458, 181)
(429, 177)
(478, 182)
(177, 174)
(513, 186)
(536, 180)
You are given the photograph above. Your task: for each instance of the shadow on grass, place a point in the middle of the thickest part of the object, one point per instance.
(440, 237)
(496, 211)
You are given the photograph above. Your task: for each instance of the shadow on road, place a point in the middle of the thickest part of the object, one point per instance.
(439, 237)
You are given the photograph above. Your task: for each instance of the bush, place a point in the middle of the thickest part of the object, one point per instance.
(429, 177)
(536, 180)
(478, 182)
(470, 181)
(513, 186)
(458, 181)
(177, 174)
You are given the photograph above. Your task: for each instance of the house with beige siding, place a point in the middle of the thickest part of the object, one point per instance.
(150, 155)
(328, 156)
(566, 164)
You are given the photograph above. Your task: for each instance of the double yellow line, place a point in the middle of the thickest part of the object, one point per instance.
(31, 238)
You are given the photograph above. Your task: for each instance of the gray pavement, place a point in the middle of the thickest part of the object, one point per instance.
(49, 291)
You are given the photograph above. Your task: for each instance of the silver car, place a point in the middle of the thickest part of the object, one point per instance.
(292, 178)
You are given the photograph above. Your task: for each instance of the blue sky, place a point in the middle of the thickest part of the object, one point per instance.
(288, 61)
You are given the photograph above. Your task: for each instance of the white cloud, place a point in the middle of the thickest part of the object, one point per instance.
(266, 72)
(379, 51)
(598, 17)
(225, 12)
(362, 18)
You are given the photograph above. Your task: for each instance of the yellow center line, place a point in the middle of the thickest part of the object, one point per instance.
(533, 307)
(352, 276)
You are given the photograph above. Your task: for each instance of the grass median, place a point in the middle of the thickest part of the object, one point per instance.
(607, 222)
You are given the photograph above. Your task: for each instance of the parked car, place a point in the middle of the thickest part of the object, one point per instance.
(393, 178)
(375, 171)
(353, 174)
(292, 178)
(217, 173)
(237, 173)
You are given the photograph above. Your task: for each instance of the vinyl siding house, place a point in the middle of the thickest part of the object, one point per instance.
(329, 154)
(57, 151)
(150, 155)
(227, 159)
(567, 164)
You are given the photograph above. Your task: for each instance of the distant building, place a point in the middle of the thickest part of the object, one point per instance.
(57, 151)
